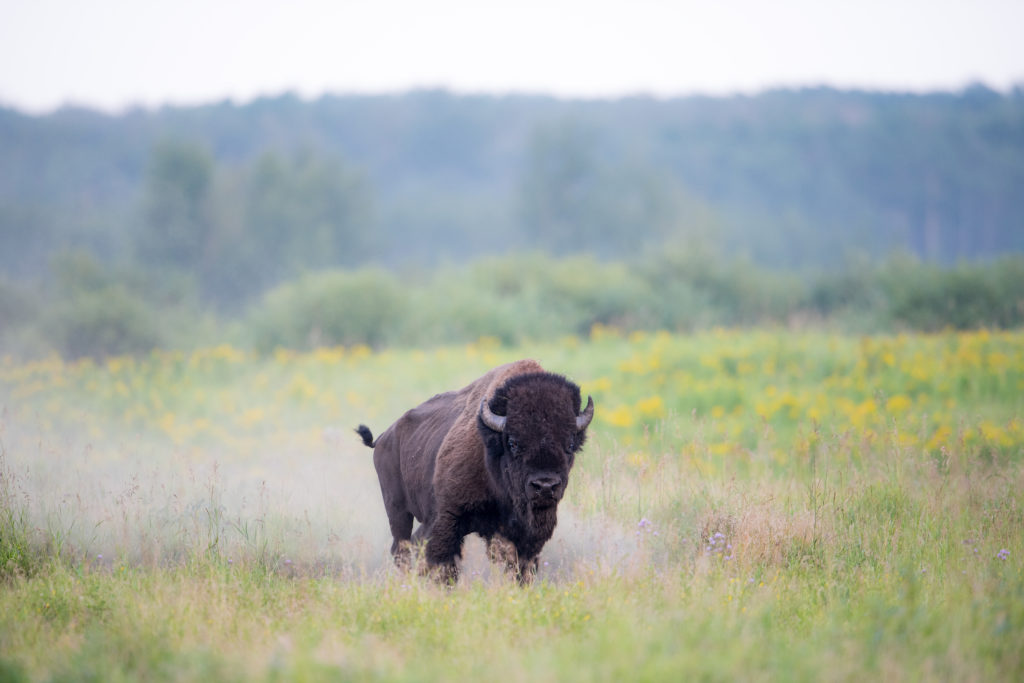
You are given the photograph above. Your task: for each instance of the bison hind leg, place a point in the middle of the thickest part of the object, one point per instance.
(404, 553)
(401, 530)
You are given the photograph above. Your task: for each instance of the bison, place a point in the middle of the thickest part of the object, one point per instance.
(492, 458)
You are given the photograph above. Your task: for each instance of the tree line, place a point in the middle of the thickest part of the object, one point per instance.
(791, 178)
(212, 209)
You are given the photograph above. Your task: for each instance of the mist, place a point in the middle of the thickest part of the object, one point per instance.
(303, 500)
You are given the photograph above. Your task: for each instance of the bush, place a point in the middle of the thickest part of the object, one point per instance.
(527, 297)
(97, 312)
(516, 298)
(450, 309)
(568, 295)
(698, 289)
(19, 310)
(927, 297)
(524, 297)
(111, 321)
(17, 305)
(330, 308)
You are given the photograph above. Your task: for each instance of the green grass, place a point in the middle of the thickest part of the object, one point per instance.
(774, 515)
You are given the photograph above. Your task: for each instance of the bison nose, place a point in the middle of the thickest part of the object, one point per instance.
(544, 485)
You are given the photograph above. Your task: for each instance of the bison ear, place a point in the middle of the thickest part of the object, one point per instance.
(493, 422)
(584, 418)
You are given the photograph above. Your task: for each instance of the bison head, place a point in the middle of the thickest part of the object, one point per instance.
(532, 429)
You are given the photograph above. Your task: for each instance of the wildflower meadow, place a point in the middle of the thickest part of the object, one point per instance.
(754, 505)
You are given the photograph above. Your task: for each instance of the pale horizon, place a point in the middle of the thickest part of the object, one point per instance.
(114, 55)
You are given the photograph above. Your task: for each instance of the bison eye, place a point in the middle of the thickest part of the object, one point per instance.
(513, 447)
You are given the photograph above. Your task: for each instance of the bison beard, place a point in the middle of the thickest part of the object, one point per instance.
(492, 458)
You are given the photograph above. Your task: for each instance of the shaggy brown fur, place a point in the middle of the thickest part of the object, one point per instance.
(445, 464)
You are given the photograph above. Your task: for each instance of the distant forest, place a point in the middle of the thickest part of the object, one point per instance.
(219, 204)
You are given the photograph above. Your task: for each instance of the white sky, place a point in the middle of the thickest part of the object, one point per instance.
(117, 53)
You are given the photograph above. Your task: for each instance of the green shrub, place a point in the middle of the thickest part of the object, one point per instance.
(928, 297)
(700, 288)
(107, 322)
(451, 309)
(17, 305)
(94, 311)
(568, 295)
(19, 312)
(329, 308)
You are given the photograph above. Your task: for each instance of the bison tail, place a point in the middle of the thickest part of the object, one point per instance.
(367, 435)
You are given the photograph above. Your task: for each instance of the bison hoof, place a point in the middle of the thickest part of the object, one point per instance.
(444, 574)
(407, 555)
(527, 572)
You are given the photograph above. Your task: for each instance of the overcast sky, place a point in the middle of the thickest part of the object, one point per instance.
(113, 54)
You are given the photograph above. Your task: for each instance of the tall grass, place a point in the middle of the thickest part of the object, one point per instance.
(750, 505)
(20, 555)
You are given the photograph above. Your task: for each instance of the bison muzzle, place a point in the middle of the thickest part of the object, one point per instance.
(492, 458)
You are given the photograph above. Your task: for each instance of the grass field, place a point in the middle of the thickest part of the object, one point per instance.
(752, 505)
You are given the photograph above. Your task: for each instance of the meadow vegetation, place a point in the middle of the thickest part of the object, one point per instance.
(758, 505)
(92, 310)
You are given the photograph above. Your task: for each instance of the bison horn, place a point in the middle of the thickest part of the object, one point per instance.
(495, 422)
(584, 418)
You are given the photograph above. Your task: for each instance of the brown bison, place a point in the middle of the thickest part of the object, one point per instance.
(491, 458)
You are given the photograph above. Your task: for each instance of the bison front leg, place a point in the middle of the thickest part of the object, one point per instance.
(527, 570)
(503, 552)
(444, 547)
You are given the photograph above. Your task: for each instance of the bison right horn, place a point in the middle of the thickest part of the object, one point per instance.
(584, 418)
(495, 422)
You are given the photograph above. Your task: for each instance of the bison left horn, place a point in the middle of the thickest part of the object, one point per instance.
(495, 422)
(584, 418)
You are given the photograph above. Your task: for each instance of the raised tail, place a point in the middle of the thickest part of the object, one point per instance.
(367, 435)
